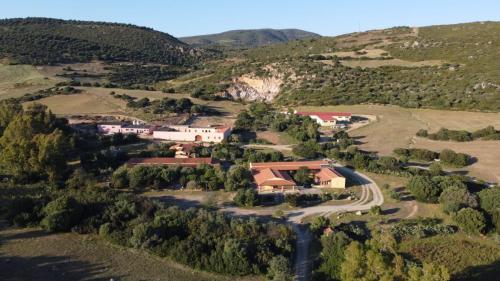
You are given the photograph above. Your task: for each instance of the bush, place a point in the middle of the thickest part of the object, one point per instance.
(451, 158)
(246, 197)
(455, 198)
(61, 214)
(424, 189)
(279, 269)
(470, 220)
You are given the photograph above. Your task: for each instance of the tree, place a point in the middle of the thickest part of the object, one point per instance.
(332, 254)
(470, 220)
(435, 169)
(318, 224)
(61, 214)
(235, 258)
(490, 198)
(307, 149)
(244, 121)
(451, 158)
(279, 269)
(354, 266)
(32, 146)
(455, 198)
(238, 177)
(424, 189)
(303, 176)
(8, 110)
(119, 178)
(429, 272)
(246, 197)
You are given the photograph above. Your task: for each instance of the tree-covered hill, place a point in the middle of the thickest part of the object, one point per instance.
(50, 41)
(444, 67)
(249, 38)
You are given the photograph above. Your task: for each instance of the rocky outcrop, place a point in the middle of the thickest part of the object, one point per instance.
(251, 88)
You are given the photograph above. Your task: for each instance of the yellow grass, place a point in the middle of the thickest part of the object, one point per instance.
(99, 101)
(396, 127)
(17, 80)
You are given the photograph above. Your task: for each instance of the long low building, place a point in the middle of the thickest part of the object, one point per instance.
(214, 134)
(110, 128)
(171, 161)
(275, 176)
(328, 119)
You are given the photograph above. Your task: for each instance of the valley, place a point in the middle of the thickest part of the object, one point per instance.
(262, 154)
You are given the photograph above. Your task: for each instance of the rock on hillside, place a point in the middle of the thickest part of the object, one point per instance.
(251, 88)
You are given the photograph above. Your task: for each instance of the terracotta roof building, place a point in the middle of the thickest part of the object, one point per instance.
(271, 176)
(185, 162)
(289, 166)
(269, 179)
(327, 118)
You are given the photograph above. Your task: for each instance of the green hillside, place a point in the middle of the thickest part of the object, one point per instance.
(249, 38)
(444, 67)
(49, 41)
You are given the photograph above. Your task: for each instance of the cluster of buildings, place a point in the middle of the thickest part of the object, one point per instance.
(268, 176)
(275, 176)
(185, 133)
(328, 119)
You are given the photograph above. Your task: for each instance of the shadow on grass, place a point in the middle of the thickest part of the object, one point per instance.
(54, 268)
(488, 272)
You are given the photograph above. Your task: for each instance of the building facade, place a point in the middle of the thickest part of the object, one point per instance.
(192, 134)
(137, 128)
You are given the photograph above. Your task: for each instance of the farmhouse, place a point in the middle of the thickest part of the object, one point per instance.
(110, 128)
(328, 119)
(214, 134)
(275, 176)
(170, 161)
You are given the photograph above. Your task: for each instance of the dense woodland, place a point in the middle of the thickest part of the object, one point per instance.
(51, 41)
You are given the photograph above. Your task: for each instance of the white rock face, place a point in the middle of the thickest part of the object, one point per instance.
(251, 88)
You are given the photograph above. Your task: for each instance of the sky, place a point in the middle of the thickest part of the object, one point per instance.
(194, 17)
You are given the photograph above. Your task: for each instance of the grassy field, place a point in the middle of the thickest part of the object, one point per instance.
(30, 254)
(99, 101)
(467, 258)
(17, 80)
(396, 127)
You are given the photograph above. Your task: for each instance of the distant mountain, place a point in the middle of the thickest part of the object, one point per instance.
(249, 38)
(49, 41)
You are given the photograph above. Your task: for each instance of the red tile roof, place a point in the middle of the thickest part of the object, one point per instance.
(190, 162)
(326, 174)
(325, 116)
(289, 166)
(270, 177)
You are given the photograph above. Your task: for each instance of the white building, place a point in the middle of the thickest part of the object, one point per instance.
(328, 119)
(124, 128)
(192, 134)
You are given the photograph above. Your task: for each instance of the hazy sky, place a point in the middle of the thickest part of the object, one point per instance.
(192, 17)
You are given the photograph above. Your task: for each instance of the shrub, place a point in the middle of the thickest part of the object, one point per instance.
(279, 269)
(246, 197)
(470, 220)
(424, 189)
(455, 198)
(61, 214)
(451, 158)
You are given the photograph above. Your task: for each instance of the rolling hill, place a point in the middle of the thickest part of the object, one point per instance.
(249, 38)
(50, 41)
(443, 67)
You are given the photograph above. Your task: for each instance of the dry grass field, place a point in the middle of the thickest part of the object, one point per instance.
(30, 254)
(396, 127)
(98, 101)
(17, 80)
